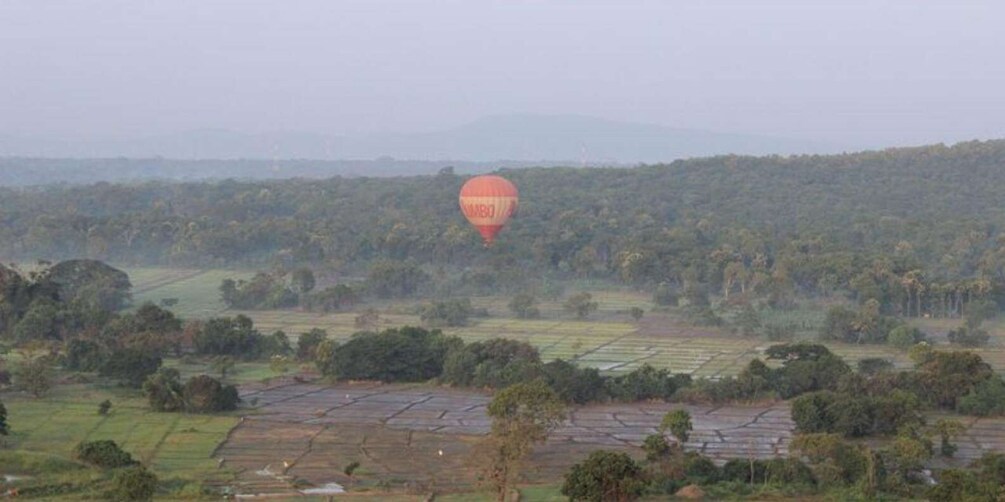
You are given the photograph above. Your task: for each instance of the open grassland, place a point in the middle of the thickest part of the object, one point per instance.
(177, 447)
(242, 372)
(197, 291)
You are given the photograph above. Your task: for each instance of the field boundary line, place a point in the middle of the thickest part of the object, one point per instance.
(598, 347)
(633, 361)
(226, 439)
(170, 280)
(156, 449)
(309, 449)
(384, 420)
(97, 425)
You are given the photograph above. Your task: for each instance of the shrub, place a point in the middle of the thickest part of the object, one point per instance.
(778, 333)
(572, 383)
(4, 430)
(130, 366)
(703, 316)
(748, 320)
(134, 483)
(775, 471)
(788, 471)
(392, 279)
(308, 343)
(636, 313)
(604, 475)
(656, 447)
(102, 453)
(699, 469)
(581, 305)
(664, 295)
(263, 291)
(678, 423)
(643, 383)
(331, 298)
(947, 376)
(969, 336)
(164, 391)
(524, 306)
(83, 355)
(450, 313)
(874, 365)
(833, 460)
(34, 375)
(985, 399)
(904, 336)
(810, 412)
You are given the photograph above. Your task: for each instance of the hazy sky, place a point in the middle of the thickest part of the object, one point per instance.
(869, 72)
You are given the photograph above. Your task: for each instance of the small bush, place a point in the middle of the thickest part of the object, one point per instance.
(524, 305)
(447, 313)
(134, 483)
(103, 453)
(904, 337)
(969, 336)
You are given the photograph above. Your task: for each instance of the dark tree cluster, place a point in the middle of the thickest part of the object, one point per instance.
(394, 355)
(417, 354)
(449, 313)
(237, 337)
(856, 415)
(57, 302)
(200, 394)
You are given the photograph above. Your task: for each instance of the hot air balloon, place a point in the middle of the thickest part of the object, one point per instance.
(488, 202)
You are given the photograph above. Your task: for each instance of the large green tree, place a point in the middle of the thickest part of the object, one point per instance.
(522, 415)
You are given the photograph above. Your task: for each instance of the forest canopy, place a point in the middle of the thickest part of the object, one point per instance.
(928, 216)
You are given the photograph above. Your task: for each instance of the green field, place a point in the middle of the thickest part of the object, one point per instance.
(241, 372)
(177, 447)
(197, 291)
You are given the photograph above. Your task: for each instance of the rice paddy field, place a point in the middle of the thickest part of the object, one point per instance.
(609, 340)
(414, 437)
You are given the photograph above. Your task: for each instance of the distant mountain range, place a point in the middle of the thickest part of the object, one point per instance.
(565, 139)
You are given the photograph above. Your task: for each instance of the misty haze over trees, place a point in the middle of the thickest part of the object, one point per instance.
(520, 138)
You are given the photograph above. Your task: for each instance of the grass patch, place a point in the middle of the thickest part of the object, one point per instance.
(242, 372)
(173, 445)
(197, 291)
